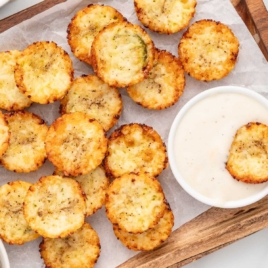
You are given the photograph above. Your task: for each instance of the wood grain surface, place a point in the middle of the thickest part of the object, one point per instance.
(206, 233)
(259, 16)
(255, 16)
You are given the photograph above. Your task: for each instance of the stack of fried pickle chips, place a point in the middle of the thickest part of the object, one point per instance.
(123, 55)
(135, 202)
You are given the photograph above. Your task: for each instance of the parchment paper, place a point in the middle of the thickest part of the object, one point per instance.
(251, 71)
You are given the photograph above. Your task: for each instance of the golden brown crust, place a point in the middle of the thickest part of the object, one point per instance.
(94, 186)
(135, 148)
(248, 156)
(26, 151)
(122, 54)
(11, 99)
(86, 24)
(151, 238)
(13, 227)
(135, 202)
(164, 85)
(208, 50)
(80, 249)
(55, 207)
(165, 17)
(90, 95)
(76, 144)
(4, 134)
(44, 72)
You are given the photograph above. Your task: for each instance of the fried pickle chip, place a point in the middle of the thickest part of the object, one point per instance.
(44, 72)
(85, 25)
(135, 148)
(55, 207)
(248, 158)
(76, 144)
(89, 95)
(4, 134)
(13, 227)
(11, 99)
(208, 50)
(164, 85)
(165, 16)
(122, 54)
(81, 249)
(26, 151)
(94, 185)
(135, 202)
(151, 238)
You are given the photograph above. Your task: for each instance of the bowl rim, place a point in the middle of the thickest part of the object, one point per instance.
(171, 137)
(3, 256)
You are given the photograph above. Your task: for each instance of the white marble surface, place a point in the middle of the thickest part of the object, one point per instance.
(266, 3)
(250, 252)
(3, 2)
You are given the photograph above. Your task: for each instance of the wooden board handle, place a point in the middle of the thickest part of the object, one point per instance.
(206, 233)
(27, 14)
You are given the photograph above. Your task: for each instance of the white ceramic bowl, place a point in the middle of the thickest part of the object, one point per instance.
(4, 262)
(171, 150)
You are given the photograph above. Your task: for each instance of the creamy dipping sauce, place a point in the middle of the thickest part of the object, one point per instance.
(203, 139)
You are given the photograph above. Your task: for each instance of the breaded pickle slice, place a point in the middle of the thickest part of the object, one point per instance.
(135, 202)
(135, 148)
(122, 54)
(86, 24)
(165, 16)
(208, 50)
(55, 207)
(94, 186)
(4, 134)
(76, 144)
(151, 238)
(248, 158)
(11, 99)
(80, 249)
(44, 72)
(26, 151)
(164, 85)
(13, 227)
(90, 95)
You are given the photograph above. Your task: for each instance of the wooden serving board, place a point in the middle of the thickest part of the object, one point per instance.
(216, 227)
(27, 14)
(255, 16)
(210, 231)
